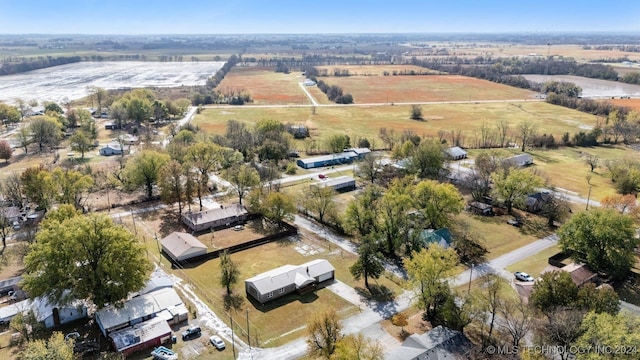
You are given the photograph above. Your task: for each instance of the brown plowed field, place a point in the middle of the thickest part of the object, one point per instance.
(630, 103)
(266, 86)
(418, 88)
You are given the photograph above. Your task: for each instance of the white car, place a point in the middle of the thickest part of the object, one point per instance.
(522, 276)
(217, 342)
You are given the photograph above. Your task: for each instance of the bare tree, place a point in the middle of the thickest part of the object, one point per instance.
(503, 130)
(516, 318)
(527, 131)
(593, 161)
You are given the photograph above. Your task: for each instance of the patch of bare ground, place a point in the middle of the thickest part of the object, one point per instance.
(415, 325)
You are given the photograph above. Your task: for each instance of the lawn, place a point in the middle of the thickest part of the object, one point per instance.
(365, 121)
(420, 88)
(496, 235)
(266, 86)
(270, 324)
(534, 264)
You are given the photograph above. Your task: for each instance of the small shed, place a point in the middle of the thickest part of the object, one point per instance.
(341, 183)
(111, 126)
(181, 246)
(145, 335)
(224, 216)
(111, 149)
(520, 160)
(481, 208)
(456, 153)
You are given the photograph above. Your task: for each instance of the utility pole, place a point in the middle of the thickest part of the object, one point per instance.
(248, 335)
(470, 277)
(233, 338)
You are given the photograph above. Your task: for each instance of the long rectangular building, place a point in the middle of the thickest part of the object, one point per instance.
(342, 158)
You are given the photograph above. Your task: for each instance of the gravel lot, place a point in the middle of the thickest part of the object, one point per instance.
(73, 80)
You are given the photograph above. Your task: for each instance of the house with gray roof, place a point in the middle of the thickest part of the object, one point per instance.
(224, 216)
(345, 157)
(180, 246)
(456, 153)
(286, 279)
(520, 160)
(340, 183)
(439, 343)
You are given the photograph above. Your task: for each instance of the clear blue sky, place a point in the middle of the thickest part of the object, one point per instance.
(315, 16)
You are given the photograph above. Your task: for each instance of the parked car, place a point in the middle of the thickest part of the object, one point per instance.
(322, 176)
(217, 342)
(522, 276)
(191, 332)
(72, 335)
(238, 228)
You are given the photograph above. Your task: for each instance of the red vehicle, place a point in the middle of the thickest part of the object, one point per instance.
(322, 176)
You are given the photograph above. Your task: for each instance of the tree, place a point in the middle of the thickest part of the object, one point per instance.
(159, 110)
(513, 186)
(429, 270)
(323, 333)
(38, 186)
(338, 142)
(608, 331)
(173, 185)
(56, 347)
(436, 203)
(527, 131)
(277, 207)
(369, 168)
(5, 150)
(369, 263)
(80, 142)
(516, 318)
(555, 289)
(82, 257)
(555, 208)
(53, 107)
(320, 200)
(229, 271)
(118, 112)
(139, 109)
(394, 205)
(205, 157)
(9, 114)
(416, 112)
(45, 131)
(242, 178)
(490, 302)
(357, 346)
(562, 327)
(600, 299)
(26, 324)
(99, 95)
(602, 238)
(362, 212)
(143, 169)
(624, 204)
(592, 161)
(71, 186)
(428, 160)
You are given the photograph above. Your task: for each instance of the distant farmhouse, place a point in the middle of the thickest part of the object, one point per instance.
(309, 82)
(112, 149)
(456, 153)
(288, 279)
(225, 216)
(520, 160)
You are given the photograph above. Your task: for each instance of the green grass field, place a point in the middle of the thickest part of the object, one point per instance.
(365, 121)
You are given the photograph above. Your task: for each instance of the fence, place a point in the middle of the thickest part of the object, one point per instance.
(287, 230)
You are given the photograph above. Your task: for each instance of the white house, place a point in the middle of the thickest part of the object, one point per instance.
(111, 149)
(286, 279)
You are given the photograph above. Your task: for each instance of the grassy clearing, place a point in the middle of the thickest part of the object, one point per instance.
(505, 291)
(402, 89)
(365, 121)
(266, 86)
(533, 265)
(372, 70)
(496, 235)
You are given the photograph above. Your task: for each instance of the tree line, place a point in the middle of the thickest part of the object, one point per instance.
(41, 62)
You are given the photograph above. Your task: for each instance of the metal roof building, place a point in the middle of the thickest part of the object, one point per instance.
(144, 335)
(341, 183)
(224, 216)
(342, 158)
(182, 246)
(287, 279)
